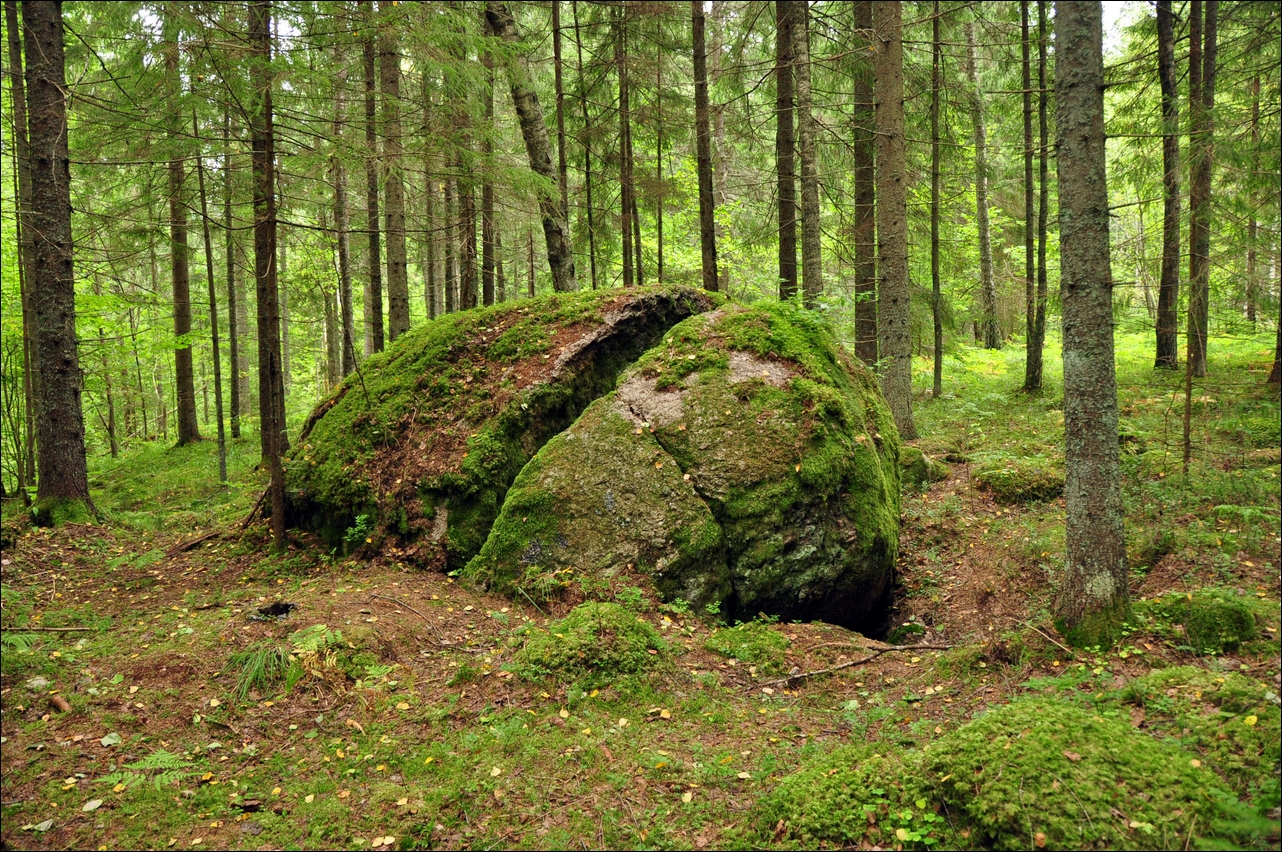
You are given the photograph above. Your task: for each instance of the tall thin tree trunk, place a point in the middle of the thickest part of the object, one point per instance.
(389, 68)
(500, 278)
(529, 247)
(556, 229)
(213, 307)
(658, 164)
(282, 279)
(63, 473)
(936, 294)
(707, 229)
(487, 184)
(587, 150)
(1168, 288)
(812, 282)
(863, 154)
(1093, 600)
(342, 231)
(271, 392)
(1030, 215)
(374, 286)
(1252, 226)
(451, 267)
(1033, 376)
(234, 303)
(431, 297)
(894, 320)
(562, 175)
(986, 326)
(786, 145)
(26, 245)
(1202, 148)
(625, 162)
(184, 374)
(112, 442)
(466, 233)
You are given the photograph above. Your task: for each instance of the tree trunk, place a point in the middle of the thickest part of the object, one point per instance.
(529, 247)
(1033, 376)
(562, 175)
(812, 284)
(184, 374)
(487, 184)
(1252, 226)
(786, 145)
(213, 307)
(893, 314)
(271, 392)
(112, 442)
(466, 233)
(26, 246)
(556, 229)
(1030, 215)
(1093, 600)
(1168, 288)
(936, 294)
(587, 151)
(707, 230)
(234, 303)
(63, 474)
(389, 68)
(1201, 145)
(431, 295)
(658, 166)
(500, 279)
(374, 286)
(342, 231)
(625, 161)
(987, 323)
(451, 268)
(863, 153)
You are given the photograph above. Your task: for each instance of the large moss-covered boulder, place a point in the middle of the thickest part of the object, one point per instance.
(746, 461)
(424, 440)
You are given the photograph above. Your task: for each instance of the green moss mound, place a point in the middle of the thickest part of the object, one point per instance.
(593, 645)
(918, 469)
(425, 439)
(756, 643)
(746, 461)
(599, 499)
(1229, 721)
(59, 511)
(1214, 620)
(1040, 773)
(1015, 481)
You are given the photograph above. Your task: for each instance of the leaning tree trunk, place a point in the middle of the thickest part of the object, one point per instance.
(389, 72)
(812, 274)
(64, 475)
(785, 148)
(703, 146)
(271, 394)
(556, 229)
(184, 373)
(863, 155)
(893, 314)
(1168, 288)
(1093, 600)
(988, 289)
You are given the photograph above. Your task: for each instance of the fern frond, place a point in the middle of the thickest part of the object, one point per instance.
(19, 641)
(159, 760)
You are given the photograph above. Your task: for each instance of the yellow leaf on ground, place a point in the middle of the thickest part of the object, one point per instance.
(1251, 720)
(565, 714)
(495, 772)
(687, 796)
(309, 798)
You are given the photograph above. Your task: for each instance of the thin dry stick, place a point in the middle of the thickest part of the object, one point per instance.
(435, 629)
(1038, 631)
(50, 629)
(791, 679)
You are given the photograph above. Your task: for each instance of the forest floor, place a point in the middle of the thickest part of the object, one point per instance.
(143, 726)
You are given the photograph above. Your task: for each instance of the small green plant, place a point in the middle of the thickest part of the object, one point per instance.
(162, 767)
(261, 667)
(358, 532)
(19, 641)
(631, 597)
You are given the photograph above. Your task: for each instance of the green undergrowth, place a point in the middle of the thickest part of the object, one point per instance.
(1021, 480)
(756, 643)
(593, 645)
(918, 469)
(1212, 621)
(1037, 773)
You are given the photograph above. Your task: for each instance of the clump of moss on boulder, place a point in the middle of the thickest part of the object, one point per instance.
(918, 469)
(425, 439)
(596, 643)
(1015, 481)
(745, 461)
(1214, 620)
(756, 643)
(1037, 773)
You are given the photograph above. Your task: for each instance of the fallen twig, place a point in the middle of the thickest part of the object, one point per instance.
(49, 629)
(1039, 632)
(791, 679)
(435, 629)
(222, 725)
(184, 546)
(249, 519)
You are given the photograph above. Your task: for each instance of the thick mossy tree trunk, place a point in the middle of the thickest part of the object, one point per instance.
(1093, 600)
(63, 492)
(538, 147)
(1168, 290)
(785, 148)
(894, 324)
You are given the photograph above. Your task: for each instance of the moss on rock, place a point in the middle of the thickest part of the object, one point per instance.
(1021, 481)
(756, 643)
(596, 643)
(918, 469)
(425, 439)
(1214, 620)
